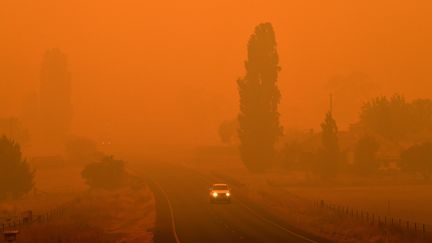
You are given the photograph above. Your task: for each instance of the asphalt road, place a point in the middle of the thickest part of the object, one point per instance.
(185, 215)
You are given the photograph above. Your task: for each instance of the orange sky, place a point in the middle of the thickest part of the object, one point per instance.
(164, 72)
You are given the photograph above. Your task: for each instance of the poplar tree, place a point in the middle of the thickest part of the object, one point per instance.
(259, 99)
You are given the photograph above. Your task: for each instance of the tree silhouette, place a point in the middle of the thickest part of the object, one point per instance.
(386, 117)
(330, 155)
(227, 131)
(365, 161)
(418, 158)
(80, 150)
(16, 178)
(12, 127)
(291, 154)
(259, 126)
(55, 97)
(394, 118)
(109, 173)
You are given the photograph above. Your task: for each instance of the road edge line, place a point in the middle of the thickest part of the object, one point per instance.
(274, 223)
(171, 211)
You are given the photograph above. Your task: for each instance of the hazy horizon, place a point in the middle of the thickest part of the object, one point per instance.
(149, 79)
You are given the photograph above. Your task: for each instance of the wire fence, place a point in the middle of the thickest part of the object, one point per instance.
(392, 224)
(28, 218)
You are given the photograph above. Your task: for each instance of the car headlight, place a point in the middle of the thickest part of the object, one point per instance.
(215, 194)
(227, 194)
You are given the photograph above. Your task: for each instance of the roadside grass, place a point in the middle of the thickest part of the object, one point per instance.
(123, 215)
(53, 188)
(411, 202)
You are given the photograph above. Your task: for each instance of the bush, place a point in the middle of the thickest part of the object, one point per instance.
(107, 174)
(291, 156)
(16, 177)
(365, 156)
(395, 118)
(82, 150)
(418, 158)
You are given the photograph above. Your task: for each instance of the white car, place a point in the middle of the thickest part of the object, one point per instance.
(219, 193)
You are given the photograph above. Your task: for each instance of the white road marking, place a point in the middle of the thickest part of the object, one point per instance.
(273, 223)
(171, 212)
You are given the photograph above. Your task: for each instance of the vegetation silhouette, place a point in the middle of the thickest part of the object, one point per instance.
(55, 97)
(13, 128)
(365, 156)
(80, 150)
(259, 126)
(291, 156)
(108, 173)
(16, 177)
(396, 119)
(329, 156)
(228, 131)
(418, 159)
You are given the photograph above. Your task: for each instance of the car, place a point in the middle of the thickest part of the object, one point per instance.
(219, 193)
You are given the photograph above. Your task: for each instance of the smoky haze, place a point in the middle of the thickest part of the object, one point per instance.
(163, 73)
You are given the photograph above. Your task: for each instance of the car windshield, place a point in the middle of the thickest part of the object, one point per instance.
(220, 187)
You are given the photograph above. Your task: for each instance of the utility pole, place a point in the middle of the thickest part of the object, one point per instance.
(331, 103)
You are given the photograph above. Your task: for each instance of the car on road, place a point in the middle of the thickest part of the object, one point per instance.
(219, 193)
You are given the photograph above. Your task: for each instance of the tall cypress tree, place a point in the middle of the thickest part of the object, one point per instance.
(259, 99)
(55, 97)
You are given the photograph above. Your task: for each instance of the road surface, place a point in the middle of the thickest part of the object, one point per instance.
(185, 215)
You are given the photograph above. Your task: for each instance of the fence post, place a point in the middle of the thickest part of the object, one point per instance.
(415, 227)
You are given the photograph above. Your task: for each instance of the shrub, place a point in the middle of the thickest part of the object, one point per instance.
(82, 150)
(365, 156)
(107, 174)
(16, 177)
(418, 158)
